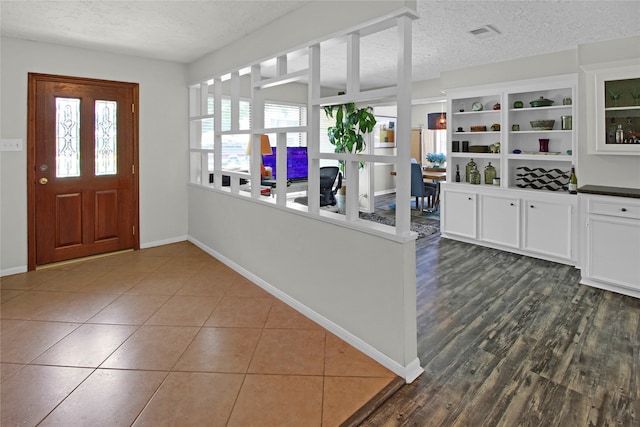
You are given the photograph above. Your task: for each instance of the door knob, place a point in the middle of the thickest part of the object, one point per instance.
(43, 181)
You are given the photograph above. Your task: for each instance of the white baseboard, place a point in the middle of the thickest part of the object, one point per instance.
(383, 192)
(163, 242)
(409, 373)
(13, 270)
(624, 290)
(412, 371)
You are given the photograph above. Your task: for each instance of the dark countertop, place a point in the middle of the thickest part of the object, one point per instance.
(633, 193)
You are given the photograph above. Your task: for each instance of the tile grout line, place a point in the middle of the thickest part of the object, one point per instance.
(246, 373)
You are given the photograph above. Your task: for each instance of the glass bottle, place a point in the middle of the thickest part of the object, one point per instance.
(489, 174)
(469, 167)
(619, 135)
(611, 135)
(457, 173)
(573, 181)
(474, 175)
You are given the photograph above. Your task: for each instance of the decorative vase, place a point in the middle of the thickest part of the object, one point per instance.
(474, 176)
(544, 145)
(489, 174)
(470, 166)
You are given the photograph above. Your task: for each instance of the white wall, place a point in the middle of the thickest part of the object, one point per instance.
(163, 136)
(358, 285)
(531, 67)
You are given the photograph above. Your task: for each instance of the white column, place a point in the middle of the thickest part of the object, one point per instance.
(403, 128)
(313, 134)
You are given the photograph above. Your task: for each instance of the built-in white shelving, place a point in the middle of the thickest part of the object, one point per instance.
(509, 127)
(529, 211)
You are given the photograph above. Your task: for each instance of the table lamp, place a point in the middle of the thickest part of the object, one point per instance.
(265, 149)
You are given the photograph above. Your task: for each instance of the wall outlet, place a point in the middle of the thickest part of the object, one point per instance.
(10, 145)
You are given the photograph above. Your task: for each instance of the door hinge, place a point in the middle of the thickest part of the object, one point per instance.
(134, 230)
(133, 108)
(133, 169)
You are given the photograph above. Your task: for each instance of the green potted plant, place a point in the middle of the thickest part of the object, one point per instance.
(437, 159)
(347, 136)
(352, 123)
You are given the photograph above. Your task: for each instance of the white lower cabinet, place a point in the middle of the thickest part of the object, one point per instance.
(541, 225)
(612, 247)
(459, 214)
(500, 220)
(548, 228)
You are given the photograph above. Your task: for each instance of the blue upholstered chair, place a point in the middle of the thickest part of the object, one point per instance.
(420, 189)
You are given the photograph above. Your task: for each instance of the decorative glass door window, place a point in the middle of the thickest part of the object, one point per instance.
(622, 111)
(106, 138)
(67, 137)
(613, 107)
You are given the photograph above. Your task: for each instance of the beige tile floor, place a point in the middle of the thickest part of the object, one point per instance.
(169, 336)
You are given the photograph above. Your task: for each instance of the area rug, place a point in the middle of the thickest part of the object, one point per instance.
(421, 229)
(416, 212)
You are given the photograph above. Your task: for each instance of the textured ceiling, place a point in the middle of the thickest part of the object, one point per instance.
(442, 38)
(183, 31)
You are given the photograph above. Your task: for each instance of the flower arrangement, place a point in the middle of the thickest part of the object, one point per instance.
(436, 158)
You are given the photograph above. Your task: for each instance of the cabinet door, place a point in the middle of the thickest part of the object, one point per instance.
(610, 104)
(614, 251)
(500, 220)
(459, 213)
(547, 228)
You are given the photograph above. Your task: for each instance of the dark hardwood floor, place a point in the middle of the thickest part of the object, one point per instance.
(509, 340)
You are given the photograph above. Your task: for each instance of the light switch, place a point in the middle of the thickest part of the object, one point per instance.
(10, 145)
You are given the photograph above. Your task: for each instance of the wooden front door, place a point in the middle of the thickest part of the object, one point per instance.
(82, 162)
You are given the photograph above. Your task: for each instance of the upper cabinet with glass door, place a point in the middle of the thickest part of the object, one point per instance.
(613, 108)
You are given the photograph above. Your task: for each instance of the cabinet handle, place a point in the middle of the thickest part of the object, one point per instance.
(511, 204)
(532, 206)
(470, 198)
(623, 209)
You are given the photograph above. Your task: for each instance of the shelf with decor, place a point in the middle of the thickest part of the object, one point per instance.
(475, 155)
(530, 142)
(475, 132)
(540, 142)
(537, 157)
(533, 144)
(477, 127)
